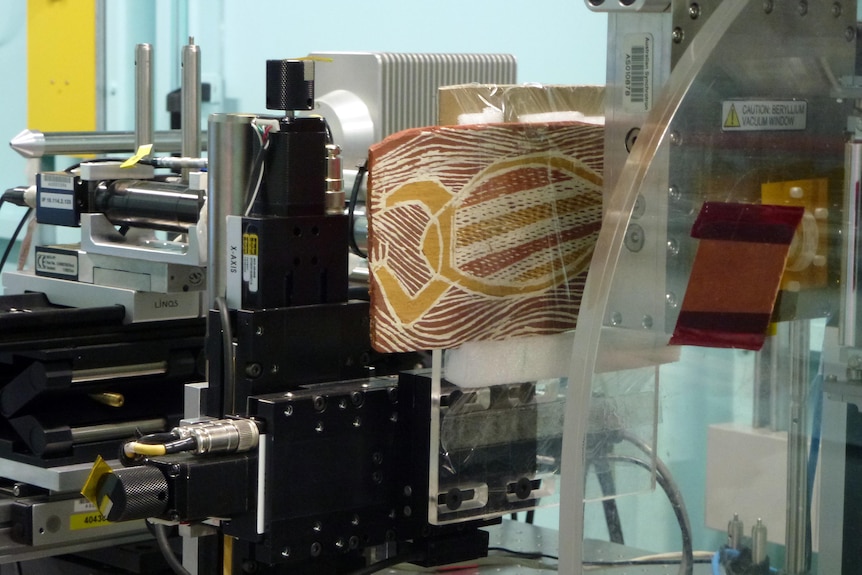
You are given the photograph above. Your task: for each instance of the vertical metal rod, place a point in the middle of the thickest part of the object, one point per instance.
(797, 450)
(190, 93)
(770, 383)
(143, 95)
(762, 399)
(850, 316)
(777, 377)
(101, 65)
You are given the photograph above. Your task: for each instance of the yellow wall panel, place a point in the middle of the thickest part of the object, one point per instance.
(61, 65)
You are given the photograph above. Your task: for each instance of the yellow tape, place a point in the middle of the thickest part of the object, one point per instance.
(87, 521)
(143, 151)
(91, 486)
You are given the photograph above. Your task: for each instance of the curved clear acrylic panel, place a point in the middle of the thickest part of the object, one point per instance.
(733, 198)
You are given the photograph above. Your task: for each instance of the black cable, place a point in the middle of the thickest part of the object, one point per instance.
(686, 565)
(15, 196)
(675, 494)
(524, 554)
(351, 217)
(609, 503)
(227, 353)
(180, 445)
(531, 516)
(161, 534)
(329, 138)
(157, 438)
(620, 562)
(14, 237)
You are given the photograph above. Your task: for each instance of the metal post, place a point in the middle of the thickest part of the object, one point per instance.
(797, 450)
(850, 316)
(143, 95)
(191, 102)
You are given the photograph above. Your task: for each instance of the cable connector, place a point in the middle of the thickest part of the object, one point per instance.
(24, 196)
(221, 435)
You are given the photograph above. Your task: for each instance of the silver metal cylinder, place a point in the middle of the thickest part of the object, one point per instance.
(119, 430)
(797, 451)
(174, 163)
(230, 160)
(143, 95)
(849, 328)
(191, 102)
(95, 374)
(148, 204)
(735, 531)
(35, 144)
(222, 436)
(758, 542)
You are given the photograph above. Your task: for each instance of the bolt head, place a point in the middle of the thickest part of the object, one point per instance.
(694, 11)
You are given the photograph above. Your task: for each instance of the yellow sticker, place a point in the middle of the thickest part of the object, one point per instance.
(87, 521)
(91, 486)
(143, 151)
(250, 244)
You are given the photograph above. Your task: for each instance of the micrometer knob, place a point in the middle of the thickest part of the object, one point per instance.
(290, 85)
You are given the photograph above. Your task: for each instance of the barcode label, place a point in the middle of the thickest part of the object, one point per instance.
(58, 182)
(637, 73)
(637, 87)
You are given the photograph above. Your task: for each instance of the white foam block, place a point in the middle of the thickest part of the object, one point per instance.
(484, 363)
(489, 115)
(545, 117)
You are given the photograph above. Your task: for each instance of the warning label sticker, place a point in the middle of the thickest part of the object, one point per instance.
(763, 115)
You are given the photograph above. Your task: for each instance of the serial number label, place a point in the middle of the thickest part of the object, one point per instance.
(87, 521)
(56, 201)
(637, 66)
(58, 182)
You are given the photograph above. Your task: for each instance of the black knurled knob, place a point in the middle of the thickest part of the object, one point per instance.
(134, 493)
(290, 85)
